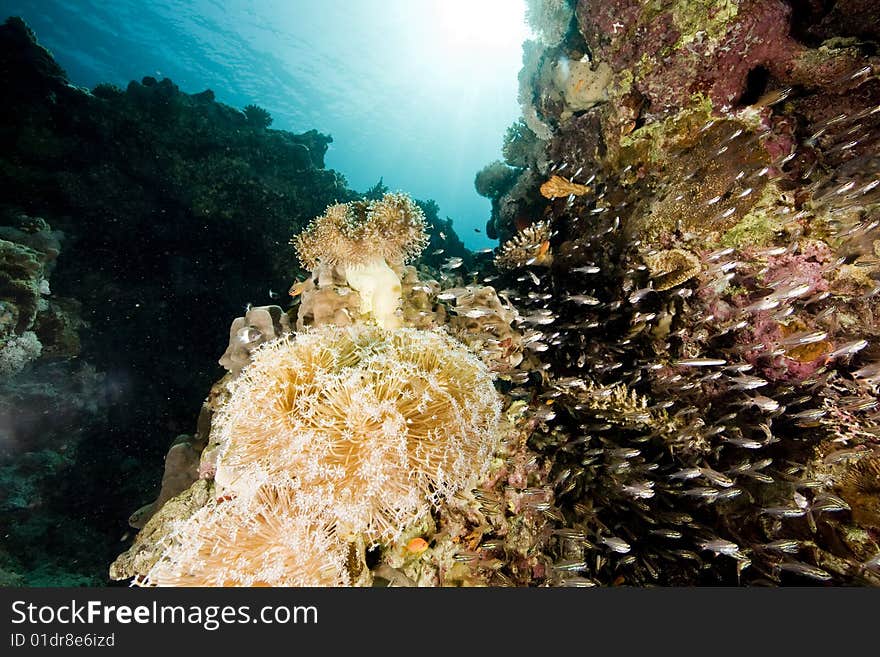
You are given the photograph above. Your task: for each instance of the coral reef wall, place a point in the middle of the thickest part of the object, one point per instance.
(690, 214)
(174, 210)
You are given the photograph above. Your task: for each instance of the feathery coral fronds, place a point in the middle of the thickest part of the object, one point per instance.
(356, 233)
(374, 425)
(268, 538)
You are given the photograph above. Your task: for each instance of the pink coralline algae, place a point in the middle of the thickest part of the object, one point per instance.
(764, 352)
(674, 57)
(770, 345)
(808, 267)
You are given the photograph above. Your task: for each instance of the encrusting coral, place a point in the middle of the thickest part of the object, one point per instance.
(364, 239)
(259, 325)
(708, 400)
(558, 187)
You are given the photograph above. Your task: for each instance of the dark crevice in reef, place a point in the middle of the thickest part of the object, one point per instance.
(756, 85)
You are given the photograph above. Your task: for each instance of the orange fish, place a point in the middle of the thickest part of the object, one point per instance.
(542, 250)
(416, 545)
(297, 288)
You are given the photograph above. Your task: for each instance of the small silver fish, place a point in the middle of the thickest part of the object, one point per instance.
(578, 582)
(716, 255)
(687, 473)
(729, 493)
(616, 544)
(773, 97)
(803, 338)
(745, 382)
(703, 492)
(787, 545)
(699, 362)
(790, 292)
(765, 303)
(542, 318)
(841, 455)
(720, 546)
(869, 373)
(784, 511)
(667, 533)
(809, 414)
(806, 570)
(716, 477)
(638, 295)
(745, 443)
(763, 403)
(583, 299)
(828, 503)
(849, 348)
(759, 476)
(640, 490)
(248, 334)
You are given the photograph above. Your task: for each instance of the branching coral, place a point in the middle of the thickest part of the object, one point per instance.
(533, 66)
(522, 148)
(364, 238)
(17, 352)
(376, 424)
(530, 246)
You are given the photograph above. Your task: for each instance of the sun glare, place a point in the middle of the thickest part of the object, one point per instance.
(482, 24)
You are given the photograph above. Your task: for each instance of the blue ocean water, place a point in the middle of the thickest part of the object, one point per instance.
(418, 92)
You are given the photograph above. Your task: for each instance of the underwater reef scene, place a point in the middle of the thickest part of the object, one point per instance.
(667, 373)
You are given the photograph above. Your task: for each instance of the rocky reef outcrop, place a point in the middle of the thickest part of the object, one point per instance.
(699, 248)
